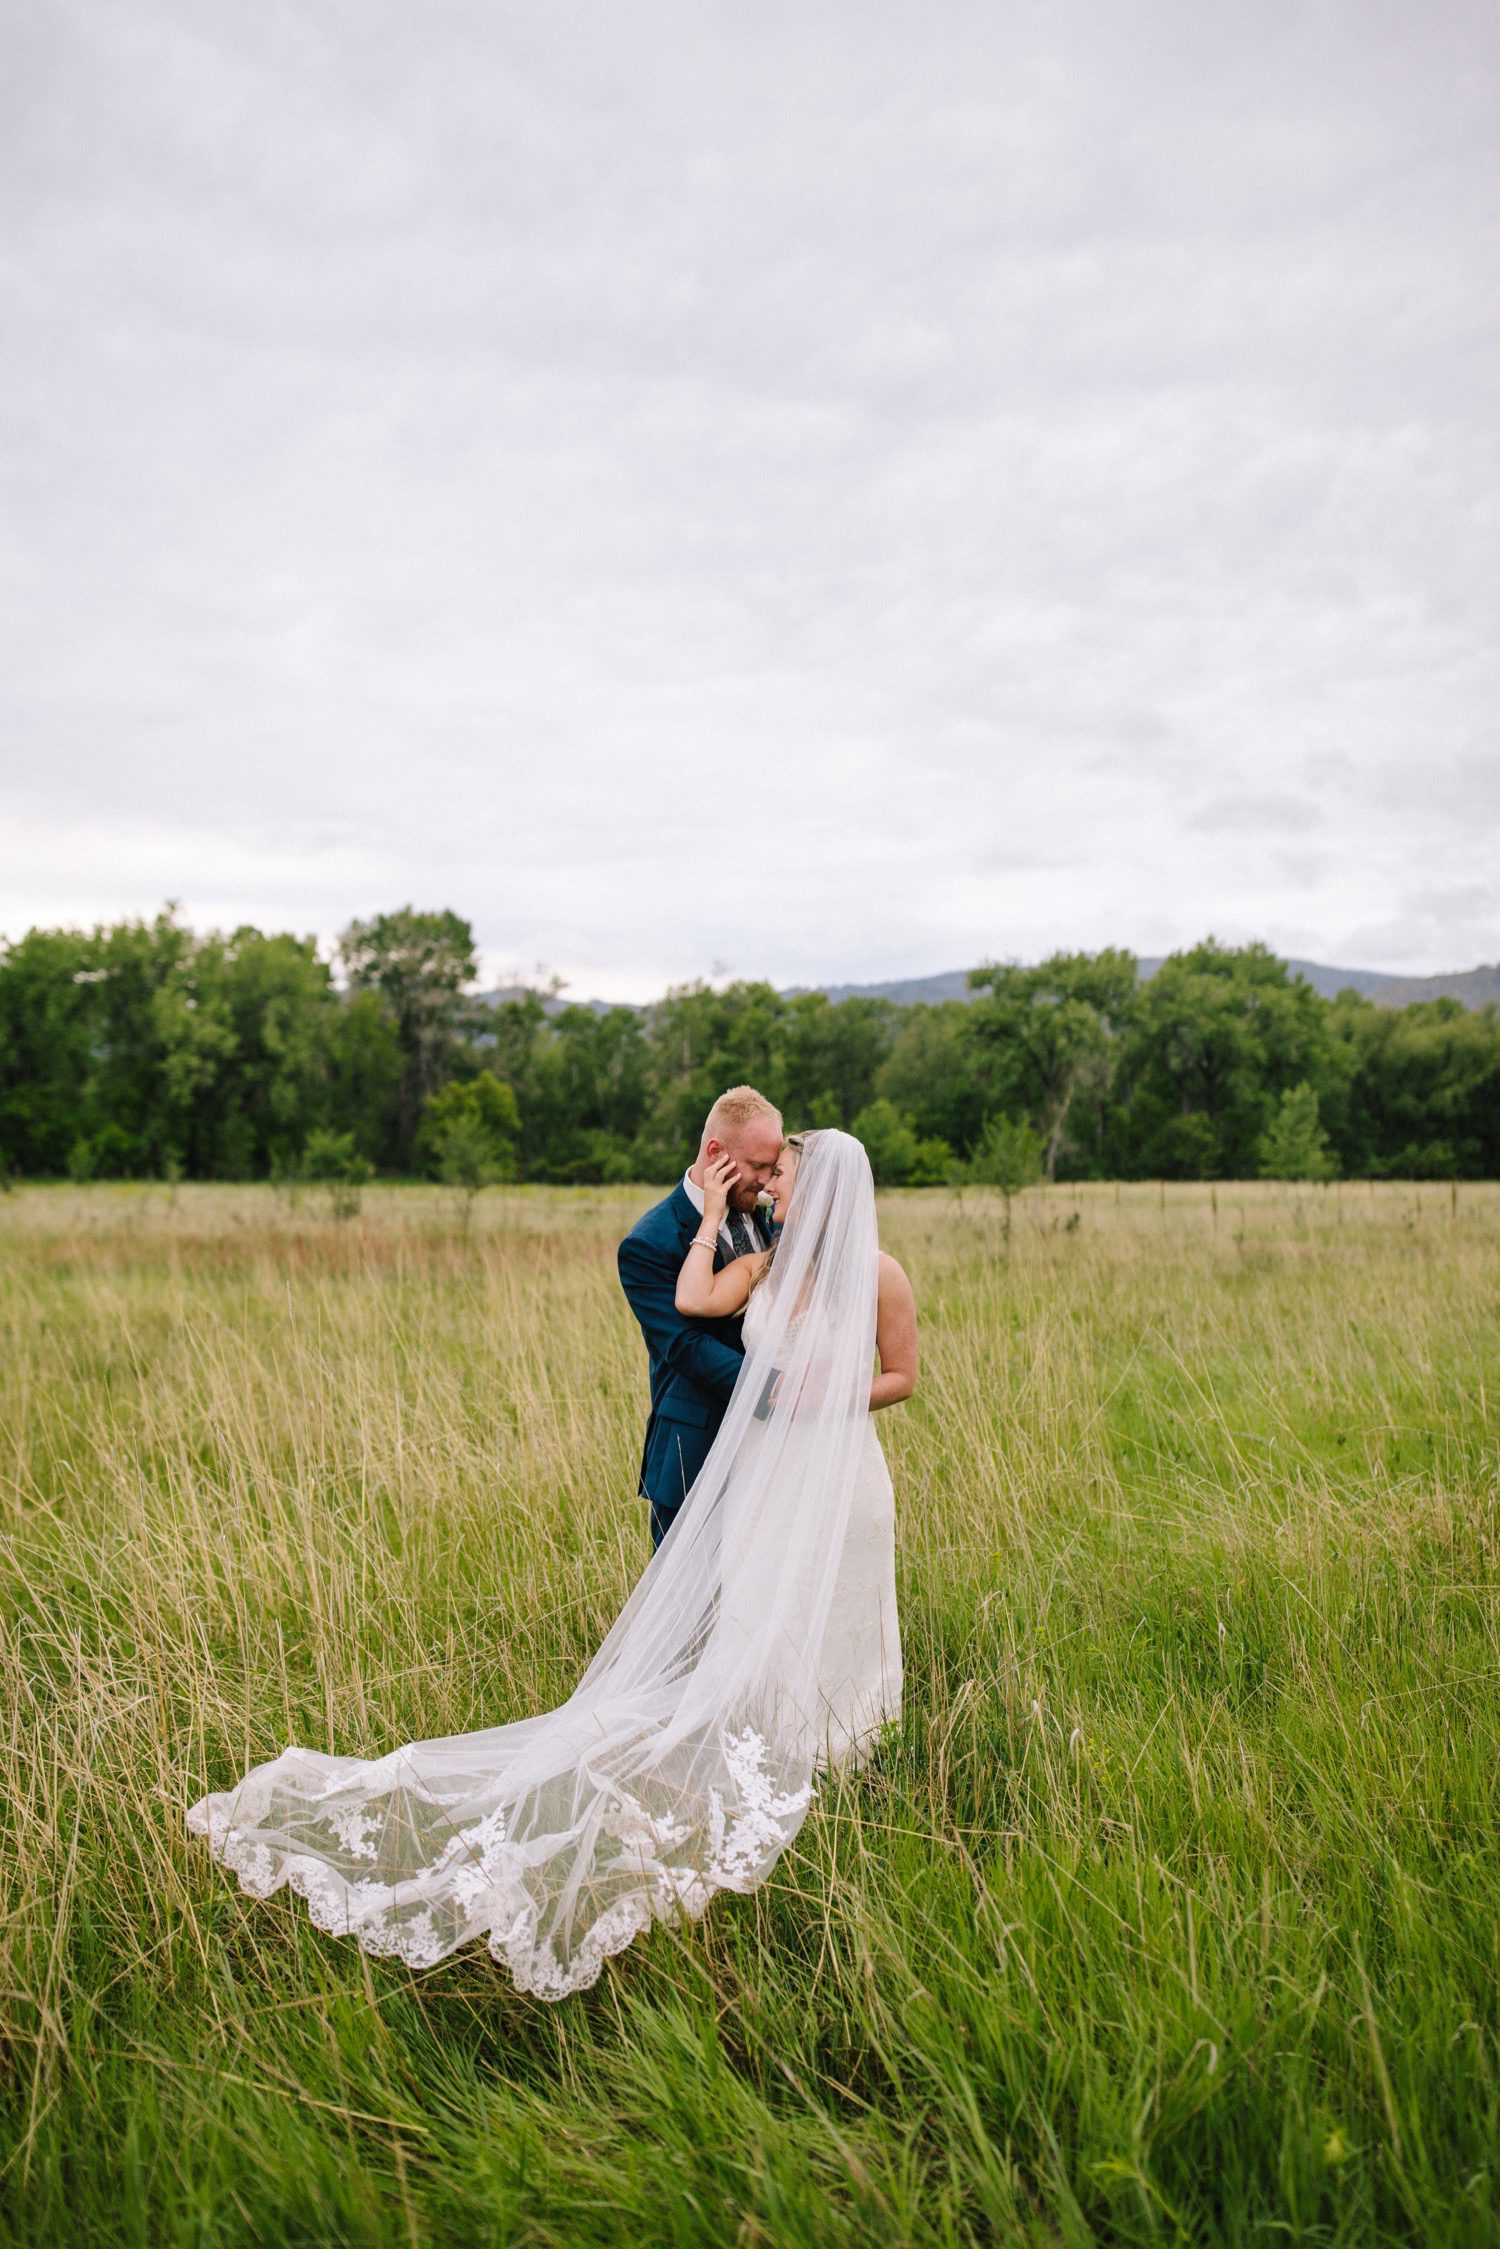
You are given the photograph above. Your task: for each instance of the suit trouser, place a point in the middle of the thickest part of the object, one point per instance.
(667, 1506)
(664, 1513)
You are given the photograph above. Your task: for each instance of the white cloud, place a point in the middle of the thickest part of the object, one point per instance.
(842, 494)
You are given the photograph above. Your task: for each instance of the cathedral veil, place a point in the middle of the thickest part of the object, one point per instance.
(683, 1762)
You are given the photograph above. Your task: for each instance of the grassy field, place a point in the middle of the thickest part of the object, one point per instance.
(1174, 1915)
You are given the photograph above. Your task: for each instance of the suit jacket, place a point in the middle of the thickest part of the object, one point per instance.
(694, 1363)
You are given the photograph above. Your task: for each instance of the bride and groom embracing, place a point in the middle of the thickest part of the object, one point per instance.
(760, 1645)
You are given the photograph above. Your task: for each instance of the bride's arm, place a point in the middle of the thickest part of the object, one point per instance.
(895, 1337)
(701, 1292)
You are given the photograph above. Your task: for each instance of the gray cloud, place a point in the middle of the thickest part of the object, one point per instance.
(999, 484)
(1284, 814)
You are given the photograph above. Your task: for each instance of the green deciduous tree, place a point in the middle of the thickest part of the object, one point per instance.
(46, 1044)
(1421, 1093)
(1049, 1037)
(702, 1039)
(582, 1084)
(274, 1013)
(828, 1055)
(1217, 1036)
(365, 1069)
(421, 964)
(145, 1048)
(936, 1074)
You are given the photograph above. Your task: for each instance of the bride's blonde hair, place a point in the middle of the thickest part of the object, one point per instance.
(799, 1141)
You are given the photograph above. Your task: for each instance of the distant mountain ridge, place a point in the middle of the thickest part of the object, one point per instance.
(1474, 987)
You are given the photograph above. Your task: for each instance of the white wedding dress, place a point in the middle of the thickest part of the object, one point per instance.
(761, 1644)
(859, 1674)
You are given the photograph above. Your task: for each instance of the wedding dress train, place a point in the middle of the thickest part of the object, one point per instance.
(761, 1643)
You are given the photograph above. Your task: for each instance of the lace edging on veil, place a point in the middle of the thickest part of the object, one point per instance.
(742, 1846)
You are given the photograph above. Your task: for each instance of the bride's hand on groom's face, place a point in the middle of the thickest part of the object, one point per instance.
(718, 1178)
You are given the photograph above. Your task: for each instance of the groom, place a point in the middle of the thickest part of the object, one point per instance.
(694, 1363)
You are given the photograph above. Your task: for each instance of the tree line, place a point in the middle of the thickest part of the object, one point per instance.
(146, 1050)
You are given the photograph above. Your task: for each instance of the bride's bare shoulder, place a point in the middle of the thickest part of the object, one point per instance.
(892, 1274)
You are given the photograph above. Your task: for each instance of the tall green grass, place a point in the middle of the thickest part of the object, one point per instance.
(1171, 1916)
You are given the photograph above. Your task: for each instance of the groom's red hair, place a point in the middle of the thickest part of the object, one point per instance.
(733, 1110)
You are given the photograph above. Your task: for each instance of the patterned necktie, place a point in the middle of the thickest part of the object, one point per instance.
(739, 1235)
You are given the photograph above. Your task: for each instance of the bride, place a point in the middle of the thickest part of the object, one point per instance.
(760, 1645)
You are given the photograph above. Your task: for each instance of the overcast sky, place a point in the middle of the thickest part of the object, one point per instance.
(826, 492)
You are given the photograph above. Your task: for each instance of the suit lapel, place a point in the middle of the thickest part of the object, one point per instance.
(684, 1217)
(688, 1218)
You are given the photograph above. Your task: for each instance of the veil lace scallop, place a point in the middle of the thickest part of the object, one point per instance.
(684, 1761)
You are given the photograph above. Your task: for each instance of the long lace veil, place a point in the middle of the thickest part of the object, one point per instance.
(683, 1762)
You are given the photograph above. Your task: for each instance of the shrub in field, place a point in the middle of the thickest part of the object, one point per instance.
(1010, 1157)
(935, 1163)
(471, 1126)
(331, 1160)
(466, 1161)
(1294, 1144)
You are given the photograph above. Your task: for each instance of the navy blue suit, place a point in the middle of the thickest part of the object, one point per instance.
(694, 1363)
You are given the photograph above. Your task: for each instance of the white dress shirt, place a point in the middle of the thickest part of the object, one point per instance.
(751, 1220)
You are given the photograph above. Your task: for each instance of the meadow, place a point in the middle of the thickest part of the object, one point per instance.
(1172, 1914)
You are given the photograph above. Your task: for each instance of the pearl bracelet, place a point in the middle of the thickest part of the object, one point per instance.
(702, 1241)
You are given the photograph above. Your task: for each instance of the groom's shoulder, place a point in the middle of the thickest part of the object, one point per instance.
(663, 1223)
